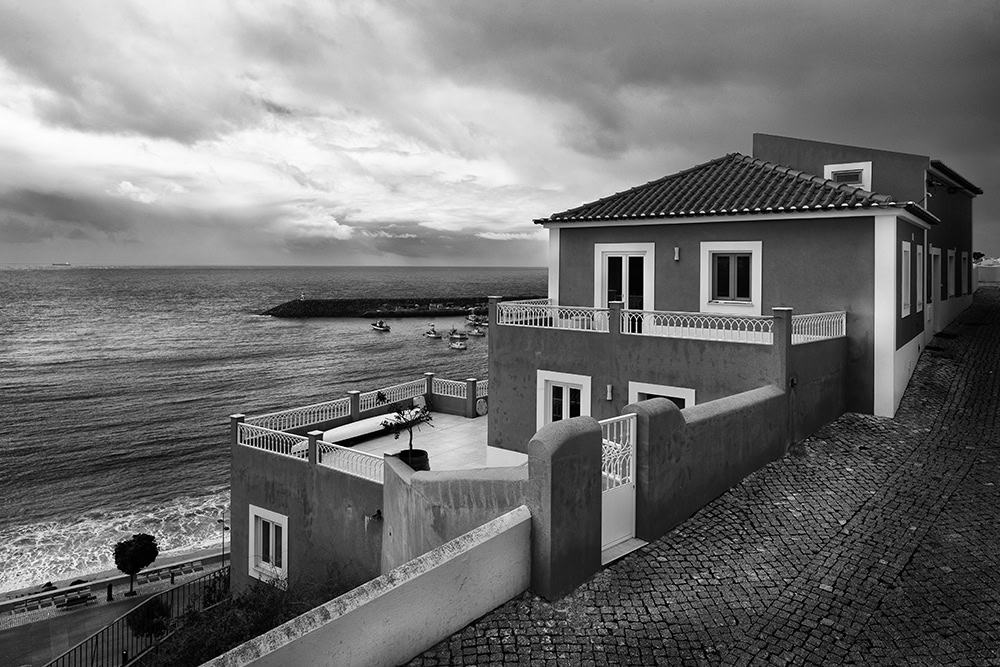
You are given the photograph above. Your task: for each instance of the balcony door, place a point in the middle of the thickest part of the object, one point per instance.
(624, 272)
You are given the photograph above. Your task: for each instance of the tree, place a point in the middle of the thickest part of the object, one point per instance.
(134, 554)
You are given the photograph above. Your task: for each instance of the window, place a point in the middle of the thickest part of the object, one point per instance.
(904, 283)
(269, 545)
(920, 278)
(682, 397)
(951, 273)
(561, 396)
(965, 273)
(731, 277)
(858, 174)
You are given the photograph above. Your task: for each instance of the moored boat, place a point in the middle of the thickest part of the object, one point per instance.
(458, 345)
(458, 335)
(432, 333)
(477, 332)
(380, 326)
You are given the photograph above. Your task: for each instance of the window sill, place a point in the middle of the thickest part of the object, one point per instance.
(718, 302)
(265, 572)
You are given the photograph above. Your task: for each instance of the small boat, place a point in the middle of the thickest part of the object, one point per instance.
(477, 332)
(432, 333)
(458, 335)
(458, 345)
(380, 326)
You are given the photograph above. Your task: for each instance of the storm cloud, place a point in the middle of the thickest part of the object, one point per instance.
(435, 132)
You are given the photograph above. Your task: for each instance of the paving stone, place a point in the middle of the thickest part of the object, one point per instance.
(872, 542)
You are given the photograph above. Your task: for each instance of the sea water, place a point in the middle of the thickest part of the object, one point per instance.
(116, 385)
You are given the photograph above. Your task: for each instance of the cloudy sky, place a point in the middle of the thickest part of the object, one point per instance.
(216, 132)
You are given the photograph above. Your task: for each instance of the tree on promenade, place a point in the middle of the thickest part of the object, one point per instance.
(132, 555)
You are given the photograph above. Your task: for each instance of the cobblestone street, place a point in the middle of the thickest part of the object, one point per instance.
(875, 541)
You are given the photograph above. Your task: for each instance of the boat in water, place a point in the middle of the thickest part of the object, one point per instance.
(458, 335)
(477, 332)
(432, 333)
(458, 345)
(380, 326)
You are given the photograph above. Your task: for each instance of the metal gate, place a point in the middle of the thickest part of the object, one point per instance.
(617, 480)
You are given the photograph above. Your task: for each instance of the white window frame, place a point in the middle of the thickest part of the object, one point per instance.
(921, 279)
(257, 568)
(904, 282)
(864, 167)
(965, 273)
(710, 305)
(603, 250)
(951, 274)
(635, 388)
(545, 379)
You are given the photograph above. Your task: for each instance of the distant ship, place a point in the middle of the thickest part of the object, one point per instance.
(61, 264)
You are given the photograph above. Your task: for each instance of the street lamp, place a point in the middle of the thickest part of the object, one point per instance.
(222, 523)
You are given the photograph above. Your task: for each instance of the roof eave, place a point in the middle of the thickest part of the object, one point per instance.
(942, 170)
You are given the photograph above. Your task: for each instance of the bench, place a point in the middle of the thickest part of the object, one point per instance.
(77, 601)
(354, 431)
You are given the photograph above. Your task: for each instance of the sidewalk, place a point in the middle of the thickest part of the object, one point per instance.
(873, 542)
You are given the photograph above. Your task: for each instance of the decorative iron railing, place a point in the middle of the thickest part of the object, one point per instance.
(400, 392)
(302, 416)
(701, 326)
(618, 444)
(482, 388)
(531, 314)
(818, 326)
(353, 462)
(147, 624)
(277, 442)
(452, 388)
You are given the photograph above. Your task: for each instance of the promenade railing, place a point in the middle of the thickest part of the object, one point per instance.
(144, 626)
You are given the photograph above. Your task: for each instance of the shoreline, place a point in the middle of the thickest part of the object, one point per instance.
(91, 577)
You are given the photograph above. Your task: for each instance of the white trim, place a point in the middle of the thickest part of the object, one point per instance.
(964, 268)
(905, 264)
(921, 277)
(265, 571)
(806, 212)
(864, 167)
(950, 268)
(554, 267)
(545, 378)
(884, 321)
(705, 302)
(648, 252)
(686, 393)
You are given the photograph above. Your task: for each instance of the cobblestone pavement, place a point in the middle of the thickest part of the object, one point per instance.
(875, 541)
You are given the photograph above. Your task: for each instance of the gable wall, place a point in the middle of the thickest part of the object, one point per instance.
(809, 265)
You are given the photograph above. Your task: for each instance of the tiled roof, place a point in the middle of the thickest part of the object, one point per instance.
(734, 184)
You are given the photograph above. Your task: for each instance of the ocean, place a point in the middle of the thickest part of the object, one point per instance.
(116, 385)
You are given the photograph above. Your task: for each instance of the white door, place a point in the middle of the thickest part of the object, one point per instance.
(617, 480)
(624, 280)
(933, 295)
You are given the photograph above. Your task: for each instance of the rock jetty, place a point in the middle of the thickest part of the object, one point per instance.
(401, 307)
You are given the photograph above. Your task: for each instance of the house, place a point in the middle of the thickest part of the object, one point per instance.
(705, 254)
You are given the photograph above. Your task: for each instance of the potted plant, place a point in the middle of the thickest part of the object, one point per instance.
(406, 419)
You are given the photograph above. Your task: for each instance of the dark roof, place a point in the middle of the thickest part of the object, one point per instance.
(734, 184)
(950, 174)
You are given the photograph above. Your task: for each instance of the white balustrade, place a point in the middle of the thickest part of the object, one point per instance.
(353, 462)
(482, 388)
(818, 326)
(452, 388)
(617, 451)
(542, 315)
(309, 414)
(700, 326)
(277, 442)
(400, 392)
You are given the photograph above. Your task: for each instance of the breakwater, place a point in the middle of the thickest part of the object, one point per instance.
(392, 307)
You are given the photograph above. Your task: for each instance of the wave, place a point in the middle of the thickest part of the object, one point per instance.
(49, 551)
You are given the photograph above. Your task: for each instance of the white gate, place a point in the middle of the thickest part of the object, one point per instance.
(617, 480)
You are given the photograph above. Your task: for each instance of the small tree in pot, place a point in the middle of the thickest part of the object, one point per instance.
(405, 420)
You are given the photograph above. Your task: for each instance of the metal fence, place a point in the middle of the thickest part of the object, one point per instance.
(277, 442)
(393, 394)
(818, 326)
(701, 326)
(147, 624)
(353, 462)
(534, 314)
(301, 416)
(617, 451)
(452, 388)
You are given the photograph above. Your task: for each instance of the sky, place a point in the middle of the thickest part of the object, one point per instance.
(398, 133)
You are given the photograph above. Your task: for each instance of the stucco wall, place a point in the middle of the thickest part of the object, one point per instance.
(423, 510)
(516, 354)
(406, 611)
(687, 461)
(328, 536)
(819, 387)
(912, 325)
(809, 265)
(955, 212)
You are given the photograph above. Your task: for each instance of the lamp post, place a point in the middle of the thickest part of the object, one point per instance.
(222, 523)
